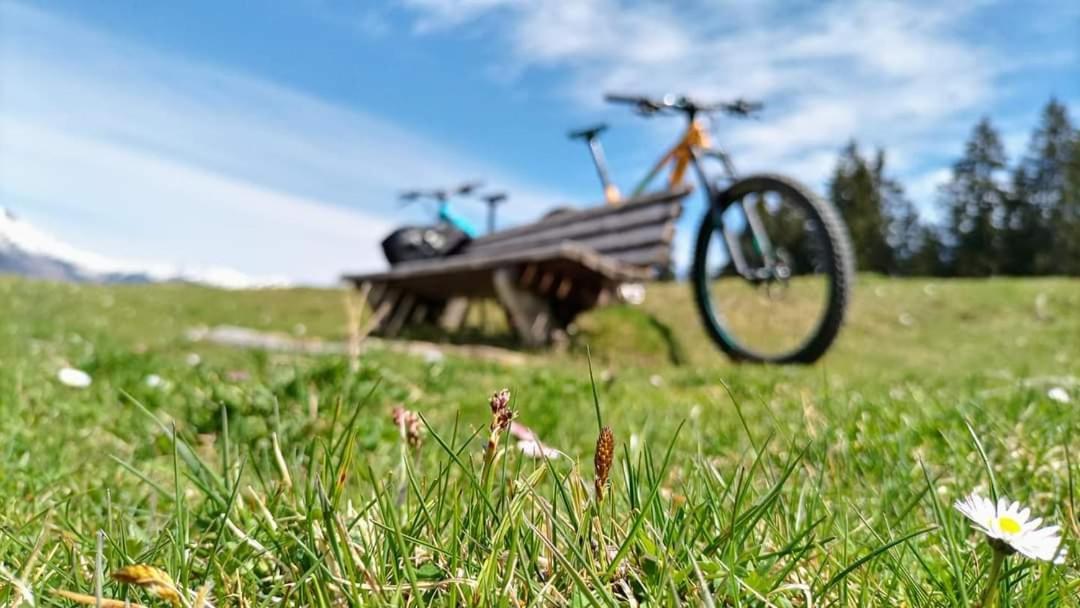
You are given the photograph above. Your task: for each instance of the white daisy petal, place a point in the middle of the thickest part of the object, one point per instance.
(75, 378)
(537, 450)
(1032, 551)
(1058, 394)
(1047, 532)
(1011, 524)
(1046, 550)
(963, 507)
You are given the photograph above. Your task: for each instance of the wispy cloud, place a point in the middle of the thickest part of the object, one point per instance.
(897, 74)
(147, 205)
(439, 14)
(137, 153)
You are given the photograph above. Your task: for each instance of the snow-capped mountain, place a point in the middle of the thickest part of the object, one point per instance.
(27, 251)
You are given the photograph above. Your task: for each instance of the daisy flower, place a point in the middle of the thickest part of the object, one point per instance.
(1058, 394)
(521, 432)
(1011, 529)
(532, 448)
(75, 378)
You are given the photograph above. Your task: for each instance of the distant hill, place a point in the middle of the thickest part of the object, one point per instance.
(29, 252)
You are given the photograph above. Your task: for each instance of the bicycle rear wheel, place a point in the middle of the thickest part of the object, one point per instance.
(772, 271)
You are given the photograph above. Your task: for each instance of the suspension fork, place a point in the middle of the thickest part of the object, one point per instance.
(712, 207)
(757, 228)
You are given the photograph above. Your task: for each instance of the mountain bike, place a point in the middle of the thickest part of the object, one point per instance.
(773, 268)
(448, 235)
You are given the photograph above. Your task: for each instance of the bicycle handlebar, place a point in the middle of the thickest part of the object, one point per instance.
(647, 106)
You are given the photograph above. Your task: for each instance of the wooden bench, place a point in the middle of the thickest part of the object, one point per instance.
(543, 274)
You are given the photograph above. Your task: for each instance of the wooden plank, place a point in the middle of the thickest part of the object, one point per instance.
(365, 290)
(529, 315)
(640, 236)
(386, 306)
(564, 288)
(419, 313)
(656, 217)
(603, 297)
(443, 270)
(566, 219)
(434, 311)
(528, 275)
(375, 294)
(454, 313)
(545, 283)
(644, 256)
(400, 314)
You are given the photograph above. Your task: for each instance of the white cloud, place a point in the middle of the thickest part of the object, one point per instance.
(437, 14)
(139, 154)
(889, 73)
(155, 204)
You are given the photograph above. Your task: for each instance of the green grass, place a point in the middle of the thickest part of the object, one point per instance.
(732, 485)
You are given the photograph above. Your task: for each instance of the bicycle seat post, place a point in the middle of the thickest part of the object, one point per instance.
(590, 135)
(493, 201)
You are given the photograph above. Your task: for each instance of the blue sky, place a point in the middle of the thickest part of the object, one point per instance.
(274, 140)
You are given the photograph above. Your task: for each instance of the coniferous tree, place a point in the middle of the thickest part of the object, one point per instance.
(1042, 205)
(858, 191)
(1023, 234)
(927, 257)
(1068, 233)
(1029, 225)
(905, 234)
(976, 203)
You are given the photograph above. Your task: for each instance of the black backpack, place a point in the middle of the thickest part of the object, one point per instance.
(423, 243)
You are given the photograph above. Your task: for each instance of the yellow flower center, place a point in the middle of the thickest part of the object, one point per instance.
(1008, 524)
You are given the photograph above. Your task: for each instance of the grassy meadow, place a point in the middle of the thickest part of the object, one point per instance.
(274, 479)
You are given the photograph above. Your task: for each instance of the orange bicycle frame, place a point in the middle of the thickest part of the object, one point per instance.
(679, 157)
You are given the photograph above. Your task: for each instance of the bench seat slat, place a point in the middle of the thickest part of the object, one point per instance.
(569, 250)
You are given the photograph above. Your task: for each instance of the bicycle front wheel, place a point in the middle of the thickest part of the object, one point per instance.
(772, 271)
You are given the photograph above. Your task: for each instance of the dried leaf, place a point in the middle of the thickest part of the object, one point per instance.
(90, 600)
(155, 581)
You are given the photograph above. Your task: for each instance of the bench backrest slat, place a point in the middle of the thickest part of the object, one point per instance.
(602, 235)
(582, 217)
(624, 233)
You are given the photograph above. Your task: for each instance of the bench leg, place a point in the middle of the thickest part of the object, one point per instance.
(529, 315)
(453, 314)
(382, 305)
(399, 316)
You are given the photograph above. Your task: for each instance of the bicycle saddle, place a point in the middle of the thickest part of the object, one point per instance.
(588, 133)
